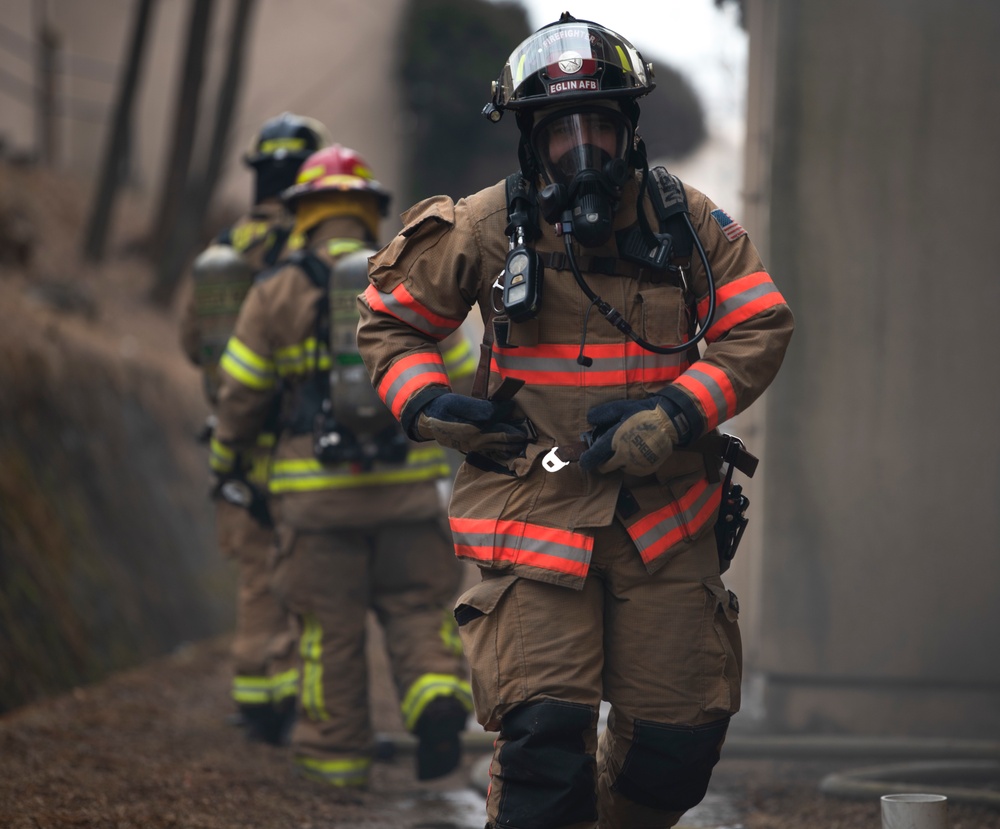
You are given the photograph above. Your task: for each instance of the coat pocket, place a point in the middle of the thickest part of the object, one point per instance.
(425, 222)
(664, 323)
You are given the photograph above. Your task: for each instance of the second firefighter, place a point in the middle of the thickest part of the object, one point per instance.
(357, 505)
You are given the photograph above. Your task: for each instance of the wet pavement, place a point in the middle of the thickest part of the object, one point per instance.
(716, 811)
(457, 809)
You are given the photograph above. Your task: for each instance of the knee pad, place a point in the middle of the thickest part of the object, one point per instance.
(668, 766)
(548, 778)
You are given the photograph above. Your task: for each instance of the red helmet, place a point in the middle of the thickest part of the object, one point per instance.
(336, 169)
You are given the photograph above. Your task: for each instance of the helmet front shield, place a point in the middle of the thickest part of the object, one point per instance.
(571, 61)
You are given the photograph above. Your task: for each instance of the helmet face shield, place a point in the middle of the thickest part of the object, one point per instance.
(569, 142)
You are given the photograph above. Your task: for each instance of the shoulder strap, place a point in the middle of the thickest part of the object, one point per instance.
(522, 211)
(276, 239)
(315, 268)
(522, 207)
(670, 204)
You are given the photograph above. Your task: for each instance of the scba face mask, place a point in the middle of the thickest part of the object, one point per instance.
(583, 156)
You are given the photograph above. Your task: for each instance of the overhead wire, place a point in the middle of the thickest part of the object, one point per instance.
(17, 88)
(84, 66)
(75, 66)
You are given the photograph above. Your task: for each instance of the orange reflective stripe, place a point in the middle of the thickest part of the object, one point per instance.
(738, 301)
(614, 364)
(547, 548)
(657, 532)
(713, 389)
(410, 374)
(402, 305)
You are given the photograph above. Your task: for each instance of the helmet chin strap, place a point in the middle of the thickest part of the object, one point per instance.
(529, 167)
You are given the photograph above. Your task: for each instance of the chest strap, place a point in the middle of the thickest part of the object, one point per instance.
(609, 266)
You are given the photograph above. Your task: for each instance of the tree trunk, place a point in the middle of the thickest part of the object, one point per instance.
(185, 125)
(118, 140)
(47, 56)
(201, 187)
(229, 93)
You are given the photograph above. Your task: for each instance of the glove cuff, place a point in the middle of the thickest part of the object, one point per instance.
(683, 413)
(411, 411)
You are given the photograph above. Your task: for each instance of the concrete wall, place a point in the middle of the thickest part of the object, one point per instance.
(872, 181)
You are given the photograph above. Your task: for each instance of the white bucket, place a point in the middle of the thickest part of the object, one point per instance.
(914, 811)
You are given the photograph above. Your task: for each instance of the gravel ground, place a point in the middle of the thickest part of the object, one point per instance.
(151, 749)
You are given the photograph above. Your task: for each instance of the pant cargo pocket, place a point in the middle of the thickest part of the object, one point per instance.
(723, 651)
(495, 662)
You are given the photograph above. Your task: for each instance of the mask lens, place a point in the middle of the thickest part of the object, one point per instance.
(568, 143)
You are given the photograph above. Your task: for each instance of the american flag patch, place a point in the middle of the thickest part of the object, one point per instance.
(732, 230)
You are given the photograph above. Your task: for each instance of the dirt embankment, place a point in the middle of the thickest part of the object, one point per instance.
(106, 553)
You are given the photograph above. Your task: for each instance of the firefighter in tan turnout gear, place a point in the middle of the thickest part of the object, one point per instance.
(265, 682)
(594, 476)
(360, 518)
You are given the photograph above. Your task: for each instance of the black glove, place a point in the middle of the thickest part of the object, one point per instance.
(472, 425)
(636, 436)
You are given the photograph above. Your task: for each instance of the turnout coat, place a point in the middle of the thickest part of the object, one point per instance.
(518, 516)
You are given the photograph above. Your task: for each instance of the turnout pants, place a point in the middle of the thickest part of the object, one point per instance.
(663, 649)
(263, 645)
(408, 575)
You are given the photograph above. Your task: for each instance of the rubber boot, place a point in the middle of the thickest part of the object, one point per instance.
(439, 744)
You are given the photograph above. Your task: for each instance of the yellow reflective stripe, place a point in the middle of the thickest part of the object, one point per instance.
(243, 236)
(285, 685)
(251, 690)
(450, 637)
(257, 462)
(310, 173)
(519, 74)
(261, 690)
(307, 474)
(338, 247)
(623, 58)
(289, 143)
(460, 361)
(430, 687)
(352, 772)
(311, 649)
(302, 358)
(249, 368)
(259, 471)
(223, 451)
(220, 457)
